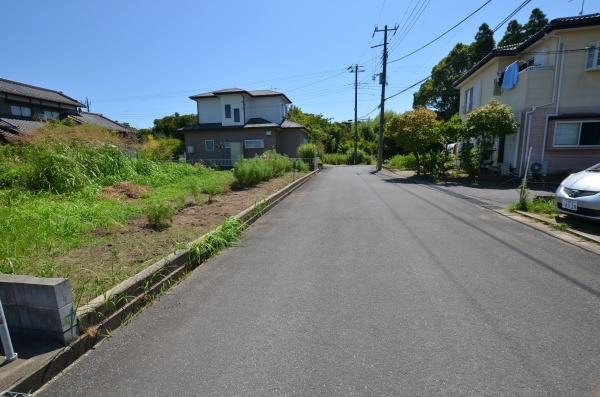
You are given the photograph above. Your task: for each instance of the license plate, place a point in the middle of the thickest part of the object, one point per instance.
(569, 204)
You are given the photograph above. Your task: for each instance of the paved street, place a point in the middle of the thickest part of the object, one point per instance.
(359, 284)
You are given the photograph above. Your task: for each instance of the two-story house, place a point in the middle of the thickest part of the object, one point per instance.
(555, 98)
(24, 108)
(235, 123)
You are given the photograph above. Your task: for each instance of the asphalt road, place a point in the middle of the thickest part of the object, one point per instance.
(359, 284)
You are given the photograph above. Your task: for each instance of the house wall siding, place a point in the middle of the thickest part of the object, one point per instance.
(197, 138)
(268, 108)
(209, 110)
(288, 141)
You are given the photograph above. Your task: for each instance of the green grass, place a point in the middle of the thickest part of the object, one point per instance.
(539, 205)
(222, 237)
(402, 162)
(335, 158)
(252, 171)
(50, 197)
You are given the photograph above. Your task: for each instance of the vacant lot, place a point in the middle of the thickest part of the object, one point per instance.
(74, 205)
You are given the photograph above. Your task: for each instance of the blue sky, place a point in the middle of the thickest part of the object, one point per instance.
(140, 60)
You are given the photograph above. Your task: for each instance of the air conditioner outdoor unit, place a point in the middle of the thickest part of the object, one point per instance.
(538, 168)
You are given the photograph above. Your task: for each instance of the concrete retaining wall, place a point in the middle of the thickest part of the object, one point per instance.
(39, 306)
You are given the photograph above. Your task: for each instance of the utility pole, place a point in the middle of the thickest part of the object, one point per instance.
(87, 104)
(356, 70)
(383, 81)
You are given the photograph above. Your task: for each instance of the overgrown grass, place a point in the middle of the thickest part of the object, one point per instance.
(539, 205)
(222, 237)
(250, 172)
(402, 162)
(335, 158)
(51, 193)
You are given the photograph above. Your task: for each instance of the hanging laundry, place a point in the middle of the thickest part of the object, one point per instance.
(511, 76)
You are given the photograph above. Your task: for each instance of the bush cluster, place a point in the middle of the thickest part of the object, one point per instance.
(249, 172)
(403, 162)
(160, 149)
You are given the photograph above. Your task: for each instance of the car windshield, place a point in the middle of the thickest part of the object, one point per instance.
(595, 168)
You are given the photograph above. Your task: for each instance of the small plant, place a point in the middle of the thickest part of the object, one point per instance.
(523, 203)
(160, 215)
(212, 188)
(222, 237)
(560, 226)
(308, 151)
(403, 162)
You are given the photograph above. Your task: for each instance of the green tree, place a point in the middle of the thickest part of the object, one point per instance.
(415, 130)
(437, 92)
(167, 125)
(483, 44)
(514, 34)
(537, 21)
(451, 130)
(488, 122)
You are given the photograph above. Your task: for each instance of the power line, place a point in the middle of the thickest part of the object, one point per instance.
(512, 14)
(443, 34)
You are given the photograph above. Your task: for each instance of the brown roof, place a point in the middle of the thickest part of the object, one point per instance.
(252, 93)
(31, 91)
(20, 126)
(516, 49)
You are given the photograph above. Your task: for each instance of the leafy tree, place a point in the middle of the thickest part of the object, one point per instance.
(514, 34)
(487, 122)
(416, 130)
(437, 92)
(167, 125)
(537, 21)
(483, 44)
(451, 130)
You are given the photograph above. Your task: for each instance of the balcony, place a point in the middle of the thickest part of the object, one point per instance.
(535, 87)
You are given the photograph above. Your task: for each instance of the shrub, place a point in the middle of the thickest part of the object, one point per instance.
(160, 149)
(160, 214)
(469, 158)
(300, 166)
(403, 162)
(212, 187)
(361, 157)
(335, 158)
(308, 151)
(249, 172)
(280, 164)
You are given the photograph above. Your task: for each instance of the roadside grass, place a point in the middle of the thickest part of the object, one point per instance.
(539, 205)
(402, 162)
(217, 240)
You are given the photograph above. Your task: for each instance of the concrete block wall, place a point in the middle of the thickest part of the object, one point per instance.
(39, 306)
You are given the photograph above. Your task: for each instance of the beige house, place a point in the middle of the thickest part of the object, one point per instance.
(235, 123)
(556, 100)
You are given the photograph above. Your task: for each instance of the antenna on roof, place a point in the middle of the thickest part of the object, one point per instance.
(582, 5)
(87, 103)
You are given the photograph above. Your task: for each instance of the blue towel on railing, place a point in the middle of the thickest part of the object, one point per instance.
(511, 76)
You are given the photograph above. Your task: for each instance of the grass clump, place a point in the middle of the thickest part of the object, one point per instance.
(160, 215)
(250, 172)
(335, 158)
(543, 205)
(402, 162)
(308, 151)
(222, 237)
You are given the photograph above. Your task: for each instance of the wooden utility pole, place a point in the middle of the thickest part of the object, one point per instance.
(356, 70)
(383, 81)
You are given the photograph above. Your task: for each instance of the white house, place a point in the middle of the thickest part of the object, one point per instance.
(234, 123)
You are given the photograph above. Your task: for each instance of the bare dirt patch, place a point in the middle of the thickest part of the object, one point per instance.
(117, 253)
(124, 191)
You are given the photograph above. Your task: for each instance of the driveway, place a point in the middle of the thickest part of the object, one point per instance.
(360, 284)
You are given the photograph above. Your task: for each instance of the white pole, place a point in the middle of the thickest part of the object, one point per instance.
(9, 352)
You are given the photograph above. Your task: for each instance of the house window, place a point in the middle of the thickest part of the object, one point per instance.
(236, 115)
(190, 149)
(592, 61)
(48, 115)
(577, 133)
(22, 111)
(469, 100)
(227, 111)
(209, 145)
(254, 144)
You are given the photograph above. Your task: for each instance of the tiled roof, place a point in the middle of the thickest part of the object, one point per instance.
(31, 91)
(99, 119)
(252, 93)
(515, 49)
(21, 126)
(252, 123)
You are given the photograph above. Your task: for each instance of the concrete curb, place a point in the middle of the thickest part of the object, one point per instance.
(108, 311)
(540, 218)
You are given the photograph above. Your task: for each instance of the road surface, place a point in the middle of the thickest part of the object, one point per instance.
(359, 284)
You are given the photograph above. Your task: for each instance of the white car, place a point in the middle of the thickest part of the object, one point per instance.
(579, 194)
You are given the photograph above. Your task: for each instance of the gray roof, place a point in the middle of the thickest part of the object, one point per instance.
(21, 126)
(516, 49)
(252, 93)
(252, 123)
(31, 91)
(99, 119)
